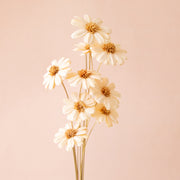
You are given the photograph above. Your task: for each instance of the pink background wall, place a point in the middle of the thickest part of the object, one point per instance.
(146, 143)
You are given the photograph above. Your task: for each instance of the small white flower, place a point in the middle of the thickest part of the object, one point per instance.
(103, 92)
(109, 115)
(109, 53)
(84, 47)
(85, 77)
(70, 136)
(79, 108)
(56, 72)
(91, 29)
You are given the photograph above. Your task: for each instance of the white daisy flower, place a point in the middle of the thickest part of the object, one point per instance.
(85, 77)
(109, 53)
(84, 47)
(79, 108)
(103, 92)
(70, 136)
(91, 29)
(109, 115)
(56, 72)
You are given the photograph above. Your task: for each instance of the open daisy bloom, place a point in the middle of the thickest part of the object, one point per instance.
(85, 77)
(109, 53)
(56, 72)
(79, 108)
(95, 99)
(104, 114)
(70, 136)
(103, 92)
(90, 29)
(84, 47)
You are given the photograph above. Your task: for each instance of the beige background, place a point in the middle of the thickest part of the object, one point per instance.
(146, 143)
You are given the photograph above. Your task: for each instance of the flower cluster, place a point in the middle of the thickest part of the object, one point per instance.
(97, 99)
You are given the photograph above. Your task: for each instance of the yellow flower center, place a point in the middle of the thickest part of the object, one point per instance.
(70, 133)
(87, 47)
(53, 70)
(105, 91)
(92, 27)
(105, 111)
(84, 74)
(109, 48)
(79, 106)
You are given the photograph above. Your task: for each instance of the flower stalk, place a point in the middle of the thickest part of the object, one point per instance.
(75, 163)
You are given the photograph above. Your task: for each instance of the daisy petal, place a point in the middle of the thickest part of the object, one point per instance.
(97, 21)
(99, 38)
(79, 33)
(88, 38)
(78, 22)
(87, 18)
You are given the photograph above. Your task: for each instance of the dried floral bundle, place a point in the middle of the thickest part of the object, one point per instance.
(97, 100)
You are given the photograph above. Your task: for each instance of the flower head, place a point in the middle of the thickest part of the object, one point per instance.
(84, 47)
(85, 77)
(91, 29)
(79, 108)
(70, 136)
(56, 72)
(109, 53)
(103, 92)
(109, 115)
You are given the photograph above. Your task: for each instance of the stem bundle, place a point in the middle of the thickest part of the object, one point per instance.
(79, 152)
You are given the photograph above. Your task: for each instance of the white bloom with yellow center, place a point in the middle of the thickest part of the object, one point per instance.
(56, 72)
(103, 92)
(79, 108)
(70, 136)
(84, 47)
(85, 77)
(104, 114)
(109, 53)
(91, 29)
